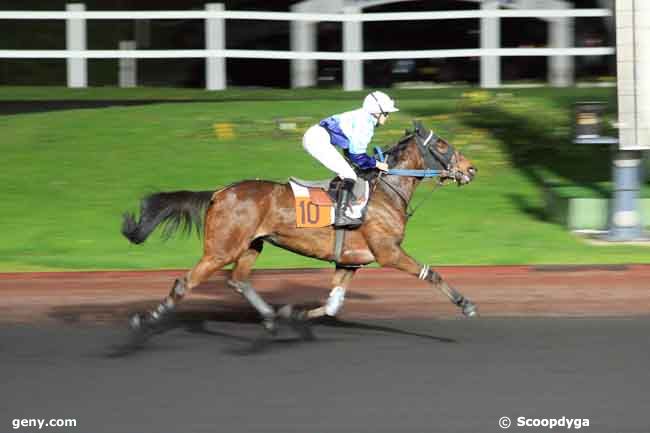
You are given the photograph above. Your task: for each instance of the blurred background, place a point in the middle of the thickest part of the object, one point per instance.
(275, 35)
(82, 142)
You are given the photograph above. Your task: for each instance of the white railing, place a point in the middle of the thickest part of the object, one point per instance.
(298, 16)
(216, 53)
(293, 55)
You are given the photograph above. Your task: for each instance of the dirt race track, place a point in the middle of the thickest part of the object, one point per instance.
(552, 343)
(375, 293)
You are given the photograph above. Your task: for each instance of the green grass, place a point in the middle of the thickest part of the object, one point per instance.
(600, 191)
(68, 176)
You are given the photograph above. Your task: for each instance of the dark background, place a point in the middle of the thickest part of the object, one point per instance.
(274, 35)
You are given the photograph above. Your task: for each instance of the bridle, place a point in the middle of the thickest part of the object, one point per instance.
(432, 158)
(446, 160)
(436, 163)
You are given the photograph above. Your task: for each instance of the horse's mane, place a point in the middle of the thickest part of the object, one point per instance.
(393, 152)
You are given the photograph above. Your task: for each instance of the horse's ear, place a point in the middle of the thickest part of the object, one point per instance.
(417, 126)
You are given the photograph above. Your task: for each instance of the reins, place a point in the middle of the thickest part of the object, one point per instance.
(413, 172)
(410, 210)
(426, 173)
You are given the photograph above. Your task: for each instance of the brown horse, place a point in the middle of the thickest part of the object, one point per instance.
(240, 217)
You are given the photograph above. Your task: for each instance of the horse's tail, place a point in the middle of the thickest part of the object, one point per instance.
(178, 209)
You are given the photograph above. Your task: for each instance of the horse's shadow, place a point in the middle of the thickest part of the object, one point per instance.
(190, 322)
(337, 323)
(197, 319)
(253, 339)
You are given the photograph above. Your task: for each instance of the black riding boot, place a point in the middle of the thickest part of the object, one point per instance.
(343, 202)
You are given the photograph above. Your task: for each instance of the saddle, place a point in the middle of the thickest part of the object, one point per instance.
(316, 200)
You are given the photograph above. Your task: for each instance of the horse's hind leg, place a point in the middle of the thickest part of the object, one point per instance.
(244, 263)
(239, 281)
(181, 288)
(340, 282)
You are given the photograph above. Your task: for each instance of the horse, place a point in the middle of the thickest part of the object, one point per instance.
(238, 219)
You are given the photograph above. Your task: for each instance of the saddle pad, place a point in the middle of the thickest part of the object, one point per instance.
(309, 213)
(320, 197)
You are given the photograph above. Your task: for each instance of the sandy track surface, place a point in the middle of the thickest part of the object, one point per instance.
(375, 293)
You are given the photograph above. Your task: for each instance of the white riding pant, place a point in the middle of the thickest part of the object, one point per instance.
(316, 141)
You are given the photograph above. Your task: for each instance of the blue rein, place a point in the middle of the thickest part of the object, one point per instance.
(405, 171)
(413, 173)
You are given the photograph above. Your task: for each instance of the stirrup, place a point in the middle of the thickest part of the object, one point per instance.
(342, 220)
(342, 204)
(345, 221)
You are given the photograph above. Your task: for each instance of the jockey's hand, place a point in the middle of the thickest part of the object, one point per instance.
(382, 166)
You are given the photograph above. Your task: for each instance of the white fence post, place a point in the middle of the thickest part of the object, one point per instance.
(303, 38)
(561, 68)
(352, 55)
(127, 66)
(632, 64)
(490, 38)
(633, 68)
(215, 39)
(75, 34)
(352, 42)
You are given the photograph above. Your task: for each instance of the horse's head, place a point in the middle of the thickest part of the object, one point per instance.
(438, 154)
(428, 151)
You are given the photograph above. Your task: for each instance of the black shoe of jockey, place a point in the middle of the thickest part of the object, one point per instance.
(343, 203)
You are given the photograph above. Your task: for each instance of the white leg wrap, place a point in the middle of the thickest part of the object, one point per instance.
(257, 302)
(335, 301)
(247, 291)
(424, 272)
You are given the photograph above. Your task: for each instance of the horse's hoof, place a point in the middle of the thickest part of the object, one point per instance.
(270, 325)
(285, 312)
(136, 322)
(299, 316)
(291, 314)
(470, 310)
(146, 323)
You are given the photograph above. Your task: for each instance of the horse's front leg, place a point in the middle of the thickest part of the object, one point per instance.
(341, 281)
(394, 256)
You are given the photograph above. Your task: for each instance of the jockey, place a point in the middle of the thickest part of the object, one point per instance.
(352, 131)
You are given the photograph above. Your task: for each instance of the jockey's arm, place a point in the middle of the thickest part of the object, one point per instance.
(366, 162)
(359, 141)
(359, 132)
(359, 157)
(362, 160)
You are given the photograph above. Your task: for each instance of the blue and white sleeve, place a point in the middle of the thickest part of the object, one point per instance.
(358, 145)
(362, 160)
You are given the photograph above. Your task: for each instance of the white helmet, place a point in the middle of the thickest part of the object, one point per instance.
(378, 103)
